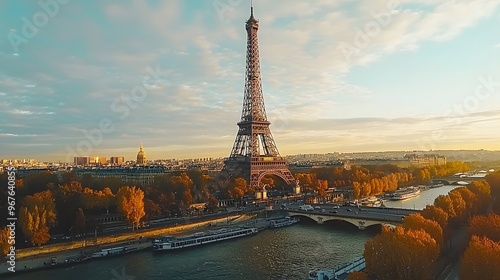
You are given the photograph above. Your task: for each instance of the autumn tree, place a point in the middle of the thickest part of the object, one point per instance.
(238, 188)
(266, 180)
(437, 214)
(306, 180)
(480, 260)
(37, 182)
(444, 202)
(416, 222)
(68, 199)
(482, 190)
(80, 224)
(37, 216)
(4, 240)
(357, 275)
(321, 187)
(469, 198)
(486, 225)
(151, 208)
(459, 205)
(130, 201)
(356, 188)
(493, 180)
(401, 254)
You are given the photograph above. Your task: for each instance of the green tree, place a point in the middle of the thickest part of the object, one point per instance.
(130, 201)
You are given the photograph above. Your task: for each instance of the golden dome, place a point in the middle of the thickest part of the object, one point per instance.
(141, 156)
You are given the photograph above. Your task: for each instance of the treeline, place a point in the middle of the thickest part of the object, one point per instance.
(411, 251)
(64, 209)
(48, 206)
(374, 179)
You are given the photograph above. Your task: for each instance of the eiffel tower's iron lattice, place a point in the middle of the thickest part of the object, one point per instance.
(254, 152)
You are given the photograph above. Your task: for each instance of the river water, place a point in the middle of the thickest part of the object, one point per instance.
(284, 253)
(425, 198)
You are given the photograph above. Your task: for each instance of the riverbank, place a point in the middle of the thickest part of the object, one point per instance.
(73, 253)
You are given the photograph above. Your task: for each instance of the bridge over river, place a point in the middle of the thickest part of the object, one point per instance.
(455, 180)
(362, 217)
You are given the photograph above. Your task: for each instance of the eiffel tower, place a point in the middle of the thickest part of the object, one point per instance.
(254, 152)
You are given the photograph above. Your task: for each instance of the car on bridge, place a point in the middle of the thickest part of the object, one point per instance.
(306, 207)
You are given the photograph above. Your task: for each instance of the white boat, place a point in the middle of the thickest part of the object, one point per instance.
(282, 222)
(371, 201)
(358, 264)
(406, 193)
(112, 252)
(199, 238)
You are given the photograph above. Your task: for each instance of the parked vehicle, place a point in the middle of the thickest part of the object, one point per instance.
(306, 207)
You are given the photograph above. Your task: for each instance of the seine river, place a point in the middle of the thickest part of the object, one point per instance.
(285, 253)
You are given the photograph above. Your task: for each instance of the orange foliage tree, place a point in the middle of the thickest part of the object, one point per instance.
(480, 260)
(131, 203)
(416, 222)
(4, 240)
(444, 202)
(36, 216)
(238, 188)
(488, 226)
(437, 214)
(459, 205)
(321, 187)
(469, 198)
(401, 254)
(482, 190)
(358, 275)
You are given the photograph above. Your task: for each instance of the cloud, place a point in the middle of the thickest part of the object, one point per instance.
(93, 55)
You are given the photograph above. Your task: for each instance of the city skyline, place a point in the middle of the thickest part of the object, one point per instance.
(337, 77)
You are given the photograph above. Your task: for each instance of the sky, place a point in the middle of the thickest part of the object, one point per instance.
(98, 78)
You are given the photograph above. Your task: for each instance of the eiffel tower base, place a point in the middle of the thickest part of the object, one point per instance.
(254, 169)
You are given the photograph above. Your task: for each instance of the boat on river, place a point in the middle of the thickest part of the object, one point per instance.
(282, 222)
(200, 238)
(358, 264)
(405, 193)
(371, 201)
(110, 252)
